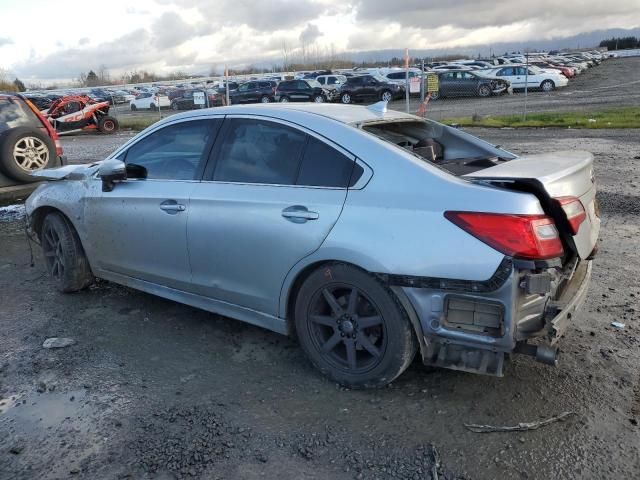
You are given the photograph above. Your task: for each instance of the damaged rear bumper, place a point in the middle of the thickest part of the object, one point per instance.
(475, 326)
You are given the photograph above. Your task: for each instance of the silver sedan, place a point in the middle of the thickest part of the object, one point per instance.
(370, 234)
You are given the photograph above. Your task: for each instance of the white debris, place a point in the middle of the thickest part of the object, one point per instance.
(11, 213)
(618, 325)
(58, 342)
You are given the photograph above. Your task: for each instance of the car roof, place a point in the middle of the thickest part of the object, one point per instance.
(348, 114)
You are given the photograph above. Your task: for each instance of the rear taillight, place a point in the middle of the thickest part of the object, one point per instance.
(574, 210)
(532, 237)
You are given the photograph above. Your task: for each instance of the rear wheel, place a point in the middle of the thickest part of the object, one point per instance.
(133, 108)
(174, 106)
(63, 253)
(547, 85)
(352, 327)
(284, 99)
(152, 106)
(108, 124)
(265, 99)
(318, 99)
(386, 96)
(435, 95)
(24, 150)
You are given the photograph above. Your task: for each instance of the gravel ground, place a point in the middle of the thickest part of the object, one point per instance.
(613, 83)
(155, 389)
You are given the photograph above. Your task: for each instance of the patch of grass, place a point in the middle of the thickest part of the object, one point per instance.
(625, 117)
(137, 123)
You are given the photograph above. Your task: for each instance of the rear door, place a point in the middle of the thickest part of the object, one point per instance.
(139, 229)
(271, 194)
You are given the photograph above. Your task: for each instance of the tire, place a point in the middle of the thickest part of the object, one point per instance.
(133, 108)
(346, 98)
(484, 91)
(152, 106)
(24, 150)
(547, 86)
(435, 95)
(265, 99)
(174, 106)
(318, 99)
(330, 327)
(108, 124)
(284, 99)
(64, 256)
(386, 96)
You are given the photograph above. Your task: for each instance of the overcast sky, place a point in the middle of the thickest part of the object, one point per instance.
(44, 39)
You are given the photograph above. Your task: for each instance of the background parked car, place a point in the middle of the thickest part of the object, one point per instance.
(186, 102)
(27, 141)
(302, 91)
(466, 83)
(369, 87)
(332, 81)
(255, 91)
(149, 101)
(533, 78)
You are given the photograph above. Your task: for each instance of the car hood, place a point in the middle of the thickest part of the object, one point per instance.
(68, 172)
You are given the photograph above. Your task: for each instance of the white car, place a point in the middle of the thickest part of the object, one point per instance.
(331, 81)
(149, 101)
(534, 78)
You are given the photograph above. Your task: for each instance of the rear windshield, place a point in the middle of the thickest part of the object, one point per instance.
(15, 113)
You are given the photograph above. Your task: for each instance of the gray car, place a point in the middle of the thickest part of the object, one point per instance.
(369, 234)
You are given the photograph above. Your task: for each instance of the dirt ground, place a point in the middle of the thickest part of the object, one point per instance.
(155, 389)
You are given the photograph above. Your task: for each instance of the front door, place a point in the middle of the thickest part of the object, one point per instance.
(273, 195)
(139, 229)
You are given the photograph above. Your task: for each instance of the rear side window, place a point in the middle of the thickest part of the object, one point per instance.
(257, 151)
(285, 85)
(324, 166)
(174, 152)
(15, 113)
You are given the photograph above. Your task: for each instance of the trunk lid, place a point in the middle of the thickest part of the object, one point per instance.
(550, 176)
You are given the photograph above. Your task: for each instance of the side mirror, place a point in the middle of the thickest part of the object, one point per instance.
(110, 172)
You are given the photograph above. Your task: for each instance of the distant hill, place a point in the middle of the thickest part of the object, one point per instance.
(582, 40)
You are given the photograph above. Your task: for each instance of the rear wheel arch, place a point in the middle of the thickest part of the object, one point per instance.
(396, 292)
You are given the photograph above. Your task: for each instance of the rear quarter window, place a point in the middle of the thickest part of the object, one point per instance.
(324, 166)
(15, 113)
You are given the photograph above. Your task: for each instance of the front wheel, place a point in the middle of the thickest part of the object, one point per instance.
(345, 98)
(386, 96)
(63, 254)
(284, 100)
(174, 106)
(547, 86)
(484, 91)
(265, 99)
(152, 106)
(352, 327)
(133, 108)
(318, 99)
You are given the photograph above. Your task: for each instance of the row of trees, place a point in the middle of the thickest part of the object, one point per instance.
(621, 43)
(6, 85)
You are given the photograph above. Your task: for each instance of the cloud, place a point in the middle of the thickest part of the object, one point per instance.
(310, 34)
(83, 41)
(170, 30)
(264, 16)
(5, 41)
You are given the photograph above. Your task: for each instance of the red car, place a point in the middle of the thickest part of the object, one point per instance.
(28, 141)
(566, 71)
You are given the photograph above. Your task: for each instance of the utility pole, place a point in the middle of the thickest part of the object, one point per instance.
(226, 84)
(526, 85)
(406, 71)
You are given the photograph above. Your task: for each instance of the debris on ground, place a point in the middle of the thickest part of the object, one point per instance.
(521, 427)
(58, 342)
(618, 325)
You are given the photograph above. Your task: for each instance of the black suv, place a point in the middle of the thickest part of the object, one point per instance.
(302, 91)
(254, 91)
(185, 100)
(369, 87)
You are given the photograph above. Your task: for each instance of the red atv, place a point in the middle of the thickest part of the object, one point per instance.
(75, 113)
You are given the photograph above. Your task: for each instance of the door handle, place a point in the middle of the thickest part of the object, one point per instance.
(299, 214)
(172, 207)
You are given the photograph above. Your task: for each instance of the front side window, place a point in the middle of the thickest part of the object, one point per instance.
(175, 151)
(258, 151)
